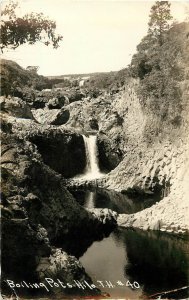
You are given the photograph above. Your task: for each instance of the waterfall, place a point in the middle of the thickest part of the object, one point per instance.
(92, 170)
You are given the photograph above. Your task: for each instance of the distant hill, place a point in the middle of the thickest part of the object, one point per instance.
(96, 80)
(80, 75)
(14, 77)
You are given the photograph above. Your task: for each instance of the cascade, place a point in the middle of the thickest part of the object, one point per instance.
(92, 170)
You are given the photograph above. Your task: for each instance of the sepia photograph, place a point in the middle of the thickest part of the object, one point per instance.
(94, 149)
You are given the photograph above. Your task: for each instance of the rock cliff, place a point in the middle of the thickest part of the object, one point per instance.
(155, 154)
(162, 162)
(38, 212)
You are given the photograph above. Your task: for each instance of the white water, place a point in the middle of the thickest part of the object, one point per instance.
(92, 170)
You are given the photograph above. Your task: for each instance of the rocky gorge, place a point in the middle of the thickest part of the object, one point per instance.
(139, 166)
(140, 154)
(38, 212)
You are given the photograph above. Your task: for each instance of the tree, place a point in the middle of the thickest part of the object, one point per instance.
(30, 28)
(160, 17)
(145, 59)
(33, 69)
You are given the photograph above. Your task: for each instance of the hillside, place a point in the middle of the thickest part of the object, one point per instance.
(98, 80)
(79, 75)
(14, 78)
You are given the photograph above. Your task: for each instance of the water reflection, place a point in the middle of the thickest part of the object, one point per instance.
(101, 198)
(156, 261)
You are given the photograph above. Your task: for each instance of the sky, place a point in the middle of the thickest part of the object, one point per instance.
(98, 36)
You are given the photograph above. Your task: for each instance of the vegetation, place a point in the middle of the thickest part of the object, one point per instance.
(94, 82)
(159, 20)
(60, 83)
(15, 31)
(160, 63)
(108, 81)
(14, 79)
(30, 28)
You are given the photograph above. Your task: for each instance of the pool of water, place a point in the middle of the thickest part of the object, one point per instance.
(134, 264)
(150, 263)
(121, 203)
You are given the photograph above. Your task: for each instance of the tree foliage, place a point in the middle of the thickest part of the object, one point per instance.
(30, 28)
(108, 81)
(147, 57)
(14, 79)
(32, 69)
(161, 69)
(159, 20)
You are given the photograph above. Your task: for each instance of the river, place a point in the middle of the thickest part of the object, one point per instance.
(131, 264)
(136, 263)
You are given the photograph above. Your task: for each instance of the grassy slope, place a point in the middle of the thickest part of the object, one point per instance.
(14, 77)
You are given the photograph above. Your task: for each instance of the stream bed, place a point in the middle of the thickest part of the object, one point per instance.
(133, 264)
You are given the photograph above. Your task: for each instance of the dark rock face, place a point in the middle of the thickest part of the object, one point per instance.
(56, 103)
(75, 96)
(21, 244)
(101, 223)
(109, 158)
(67, 268)
(38, 212)
(93, 123)
(39, 102)
(52, 99)
(23, 240)
(62, 117)
(63, 152)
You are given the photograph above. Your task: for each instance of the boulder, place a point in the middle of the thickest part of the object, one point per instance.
(66, 268)
(62, 150)
(53, 116)
(106, 216)
(38, 102)
(109, 158)
(61, 118)
(15, 107)
(75, 96)
(56, 102)
(45, 115)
